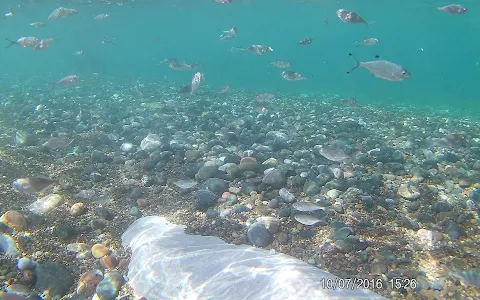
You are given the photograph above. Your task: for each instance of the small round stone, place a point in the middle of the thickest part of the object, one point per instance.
(109, 262)
(77, 209)
(25, 263)
(99, 250)
(15, 220)
(142, 202)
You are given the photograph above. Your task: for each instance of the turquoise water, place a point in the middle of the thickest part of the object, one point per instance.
(445, 75)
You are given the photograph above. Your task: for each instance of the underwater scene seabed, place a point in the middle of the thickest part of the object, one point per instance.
(239, 149)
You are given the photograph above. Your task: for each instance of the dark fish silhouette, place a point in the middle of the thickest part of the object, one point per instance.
(305, 41)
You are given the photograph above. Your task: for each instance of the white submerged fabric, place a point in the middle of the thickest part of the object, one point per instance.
(167, 263)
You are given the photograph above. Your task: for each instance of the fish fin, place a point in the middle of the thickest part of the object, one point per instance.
(11, 43)
(358, 63)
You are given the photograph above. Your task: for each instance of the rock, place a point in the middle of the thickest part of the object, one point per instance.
(97, 156)
(109, 262)
(109, 287)
(25, 263)
(216, 185)
(272, 224)
(439, 207)
(15, 220)
(150, 142)
(192, 155)
(88, 283)
(333, 194)
(408, 191)
(205, 199)
(378, 268)
(77, 209)
(46, 204)
(185, 184)
(249, 164)
(275, 178)
(82, 250)
(206, 172)
(99, 250)
(324, 176)
(53, 279)
(259, 235)
(232, 170)
(454, 231)
(311, 188)
(8, 246)
(341, 233)
(286, 196)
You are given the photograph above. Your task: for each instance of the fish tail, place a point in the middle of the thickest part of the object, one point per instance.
(357, 61)
(11, 43)
(237, 49)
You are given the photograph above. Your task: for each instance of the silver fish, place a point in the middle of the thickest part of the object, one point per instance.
(383, 69)
(37, 24)
(350, 17)
(58, 142)
(32, 185)
(368, 42)
(306, 206)
(255, 49)
(25, 42)
(292, 76)
(281, 64)
(453, 9)
(333, 154)
(101, 17)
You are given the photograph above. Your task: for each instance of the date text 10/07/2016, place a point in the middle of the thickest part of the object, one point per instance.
(367, 283)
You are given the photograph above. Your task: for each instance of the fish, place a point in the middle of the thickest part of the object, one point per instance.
(196, 80)
(453, 9)
(78, 52)
(32, 185)
(350, 17)
(58, 142)
(37, 24)
(281, 64)
(255, 49)
(224, 89)
(68, 80)
(292, 76)
(305, 41)
(229, 34)
(224, 1)
(9, 13)
(333, 154)
(383, 69)
(368, 42)
(101, 17)
(182, 66)
(264, 98)
(44, 44)
(108, 42)
(61, 12)
(25, 42)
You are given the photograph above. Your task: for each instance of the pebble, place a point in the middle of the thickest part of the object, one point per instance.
(25, 263)
(77, 209)
(46, 204)
(15, 220)
(411, 193)
(204, 199)
(54, 279)
(109, 287)
(109, 262)
(259, 235)
(275, 178)
(272, 224)
(99, 250)
(286, 196)
(8, 246)
(88, 282)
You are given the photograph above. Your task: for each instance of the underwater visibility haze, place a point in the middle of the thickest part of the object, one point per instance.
(239, 149)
